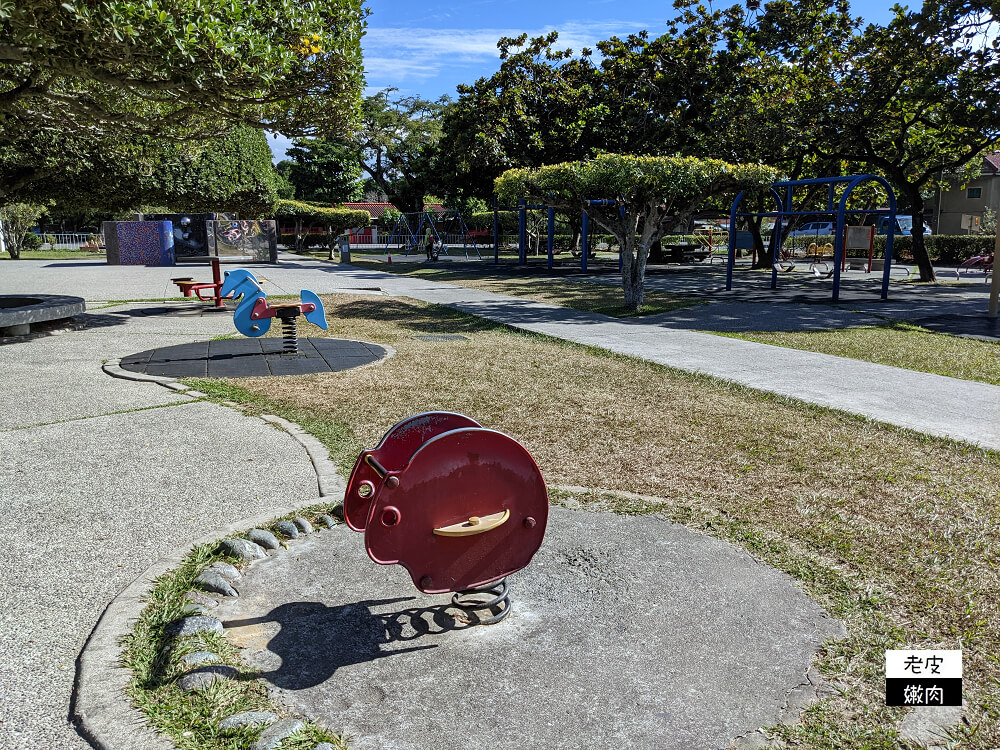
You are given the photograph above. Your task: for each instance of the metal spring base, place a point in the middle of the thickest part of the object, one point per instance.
(498, 596)
(290, 335)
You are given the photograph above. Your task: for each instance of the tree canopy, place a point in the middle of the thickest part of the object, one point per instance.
(803, 86)
(395, 145)
(323, 171)
(229, 173)
(647, 195)
(83, 77)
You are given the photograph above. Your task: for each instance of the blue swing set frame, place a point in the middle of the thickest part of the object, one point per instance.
(841, 211)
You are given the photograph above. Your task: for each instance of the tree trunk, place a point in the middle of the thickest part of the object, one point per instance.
(299, 244)
(633, 270)
(919, 246)
(330, 241)
(765, 254)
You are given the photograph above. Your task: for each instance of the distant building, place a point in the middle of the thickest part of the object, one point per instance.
(959, 210)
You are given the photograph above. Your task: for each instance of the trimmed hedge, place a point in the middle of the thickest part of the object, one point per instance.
(337, 220)
(312, 239)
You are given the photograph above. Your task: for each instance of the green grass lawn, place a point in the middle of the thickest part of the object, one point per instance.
(892, 532)
(57, 254)
(896, 344)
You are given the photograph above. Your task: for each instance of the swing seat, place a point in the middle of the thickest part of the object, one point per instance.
(821, 270)
(784, 266)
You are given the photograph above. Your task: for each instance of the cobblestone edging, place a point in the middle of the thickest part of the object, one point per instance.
(100, 708)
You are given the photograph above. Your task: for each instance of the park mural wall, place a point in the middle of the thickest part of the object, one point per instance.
(165, 239)
(139, 243)
(190, 231)
(246, 240)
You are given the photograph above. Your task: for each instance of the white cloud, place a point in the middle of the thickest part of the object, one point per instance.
(394, 55)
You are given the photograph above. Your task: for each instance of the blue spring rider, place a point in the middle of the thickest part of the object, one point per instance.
(253, 313)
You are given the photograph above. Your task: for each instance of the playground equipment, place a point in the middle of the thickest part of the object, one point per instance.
(982, 263)
(784, 209)
(712, 240)
(190, 287)
(447, 228)
(459, 506)
(253, 313)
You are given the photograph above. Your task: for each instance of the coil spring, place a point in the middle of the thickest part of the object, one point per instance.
(498, 596)
(290, 335)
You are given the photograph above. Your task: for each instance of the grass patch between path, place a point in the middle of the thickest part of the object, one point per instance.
(153, 655)
(578, 294)
(56, 254)
(897, 344)
(892, 531)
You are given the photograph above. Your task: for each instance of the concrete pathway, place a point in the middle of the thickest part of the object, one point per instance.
(99, 478)
(934, 404)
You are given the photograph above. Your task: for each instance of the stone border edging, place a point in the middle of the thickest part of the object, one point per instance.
(99, 709)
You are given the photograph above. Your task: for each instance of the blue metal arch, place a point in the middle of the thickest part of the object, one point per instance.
(785, 209)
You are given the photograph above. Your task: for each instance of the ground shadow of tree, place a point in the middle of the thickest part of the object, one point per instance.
(414, 317)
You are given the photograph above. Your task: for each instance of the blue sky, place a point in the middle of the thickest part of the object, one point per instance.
(427, 49)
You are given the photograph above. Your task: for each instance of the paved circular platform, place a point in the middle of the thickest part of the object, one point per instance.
(19, 311)
(247, 358)
(625, 632)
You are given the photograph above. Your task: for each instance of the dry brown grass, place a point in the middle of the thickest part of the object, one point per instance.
(579, 293)
(894, 533)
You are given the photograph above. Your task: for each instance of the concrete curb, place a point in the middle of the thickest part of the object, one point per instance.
(100, 709)
(113, 368)
(330, 482)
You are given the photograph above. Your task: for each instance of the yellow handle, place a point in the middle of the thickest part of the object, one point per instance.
(475, 525)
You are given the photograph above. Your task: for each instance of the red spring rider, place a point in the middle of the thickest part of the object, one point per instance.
(459, 506)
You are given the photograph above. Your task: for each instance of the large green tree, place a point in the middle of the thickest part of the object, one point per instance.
(324, 171)
(228, 173)
(95, 75)
(650, 196)
(909, 100)
(395, 144)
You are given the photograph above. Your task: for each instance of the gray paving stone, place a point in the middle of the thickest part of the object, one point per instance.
(197, 658)
(227, 571)
(287, 529)
(211, 580)
(248, 719)
(201, 678)
(275, 734)
(302, 525)
(265, 539)
(194, 625)
(244, 549)
(202, 599)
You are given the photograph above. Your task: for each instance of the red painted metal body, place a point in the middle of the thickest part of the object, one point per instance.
(261, 309)
(195, 289)
(393, 453)
(445, 481)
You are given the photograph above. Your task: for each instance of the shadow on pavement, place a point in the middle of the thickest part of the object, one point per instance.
(315, 640)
